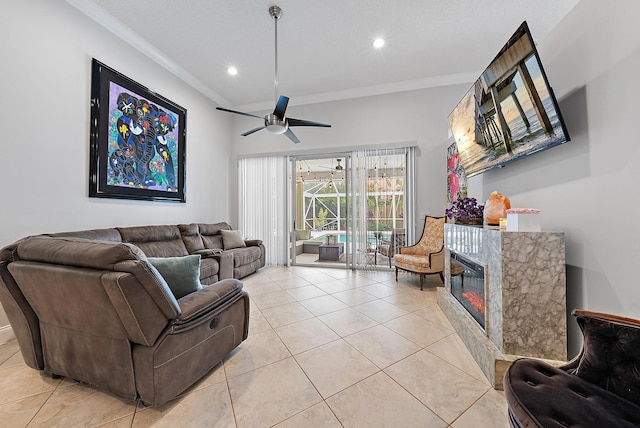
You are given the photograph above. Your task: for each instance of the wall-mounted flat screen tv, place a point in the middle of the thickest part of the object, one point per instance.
(510, 112)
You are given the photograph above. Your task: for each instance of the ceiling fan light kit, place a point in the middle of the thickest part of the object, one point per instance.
(276, 122)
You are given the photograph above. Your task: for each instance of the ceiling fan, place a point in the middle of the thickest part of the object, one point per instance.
(338, 167)
(276, 122)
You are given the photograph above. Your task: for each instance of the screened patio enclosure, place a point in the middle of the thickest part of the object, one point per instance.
(348, 199)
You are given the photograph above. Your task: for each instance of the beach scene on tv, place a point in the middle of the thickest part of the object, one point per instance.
(509, 112)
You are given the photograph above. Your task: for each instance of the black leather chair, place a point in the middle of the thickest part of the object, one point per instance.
(599, 388)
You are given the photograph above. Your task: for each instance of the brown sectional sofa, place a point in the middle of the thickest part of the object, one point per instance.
(89, 306)
(184, 239)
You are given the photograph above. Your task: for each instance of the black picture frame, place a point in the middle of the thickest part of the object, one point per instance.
(138, 140)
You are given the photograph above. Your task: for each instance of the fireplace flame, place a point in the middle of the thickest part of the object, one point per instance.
(476, 301)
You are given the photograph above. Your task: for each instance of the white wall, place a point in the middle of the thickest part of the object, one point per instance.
(46, 53)
(416, 118)
(586, 188)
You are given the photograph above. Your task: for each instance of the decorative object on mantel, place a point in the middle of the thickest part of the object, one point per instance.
(523, 220)
(496, 208)
(465, 211)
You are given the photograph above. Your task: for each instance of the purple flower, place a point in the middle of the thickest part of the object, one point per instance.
(465, 209)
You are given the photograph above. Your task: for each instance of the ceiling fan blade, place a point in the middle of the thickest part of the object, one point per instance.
(301, 122)
(239, 112)
(289, 133)
(281, 106)
(253, 130)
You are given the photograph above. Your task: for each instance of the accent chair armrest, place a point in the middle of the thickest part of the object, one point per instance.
(436, 260)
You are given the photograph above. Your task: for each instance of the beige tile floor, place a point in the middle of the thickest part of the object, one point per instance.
(326, 348)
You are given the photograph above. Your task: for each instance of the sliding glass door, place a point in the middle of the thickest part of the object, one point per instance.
(350, 209)
(320, 234)
(382, 205)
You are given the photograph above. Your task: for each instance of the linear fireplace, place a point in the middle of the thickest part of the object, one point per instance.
(467, 286)
(524, 295)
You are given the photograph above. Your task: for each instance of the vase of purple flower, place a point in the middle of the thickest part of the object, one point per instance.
(465, 211)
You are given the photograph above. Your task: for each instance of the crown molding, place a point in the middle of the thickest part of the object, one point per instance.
(119, 29)
(367, 91)
(122, 31)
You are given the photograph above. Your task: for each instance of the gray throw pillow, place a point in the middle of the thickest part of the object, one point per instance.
(182, 274)
(232, 239)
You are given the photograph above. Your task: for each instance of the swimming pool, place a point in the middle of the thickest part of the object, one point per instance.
(342, 237)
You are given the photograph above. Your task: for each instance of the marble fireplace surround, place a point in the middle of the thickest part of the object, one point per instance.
(525, 292)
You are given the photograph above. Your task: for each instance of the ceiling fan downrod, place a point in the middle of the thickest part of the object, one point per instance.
(276, 14)
(275, 122)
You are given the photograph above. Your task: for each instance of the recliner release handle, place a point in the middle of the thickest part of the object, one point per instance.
(213, 323)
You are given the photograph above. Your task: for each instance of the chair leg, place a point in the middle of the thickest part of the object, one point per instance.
(396, 274)
(421, 276)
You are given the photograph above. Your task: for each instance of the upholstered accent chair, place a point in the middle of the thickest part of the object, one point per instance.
(427, 256)
(598, 388)
(392, 246)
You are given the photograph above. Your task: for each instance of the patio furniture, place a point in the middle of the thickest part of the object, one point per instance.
(330, 252)
(389, 248)
(427, 256)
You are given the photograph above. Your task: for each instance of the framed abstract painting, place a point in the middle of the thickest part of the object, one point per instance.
(138, 140)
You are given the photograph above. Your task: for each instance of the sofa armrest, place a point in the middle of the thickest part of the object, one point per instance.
(196, 306)
(209, 252)
(253, 242)
(225, 261)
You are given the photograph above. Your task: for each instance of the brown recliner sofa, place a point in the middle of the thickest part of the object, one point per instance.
(92, 308)
(184, 239)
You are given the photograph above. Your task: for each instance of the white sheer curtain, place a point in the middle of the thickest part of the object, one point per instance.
(363, 163)
(262, 204)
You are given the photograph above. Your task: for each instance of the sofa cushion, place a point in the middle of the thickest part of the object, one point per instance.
(209, 270)
(232, 239)
(77, 252)
(413, 263)
(182, 274)
(243, 256)
(210, 234)
(94, 234)
(191, 237)
(155, 241)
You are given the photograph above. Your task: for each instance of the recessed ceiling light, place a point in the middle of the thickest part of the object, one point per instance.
(232, 71)
(378, 43)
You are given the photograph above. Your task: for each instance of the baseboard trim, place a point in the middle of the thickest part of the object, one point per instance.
(6, 334)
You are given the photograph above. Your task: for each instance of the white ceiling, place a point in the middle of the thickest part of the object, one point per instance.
(325, 47)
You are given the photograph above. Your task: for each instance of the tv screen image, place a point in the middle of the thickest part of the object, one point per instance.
(510, 112)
